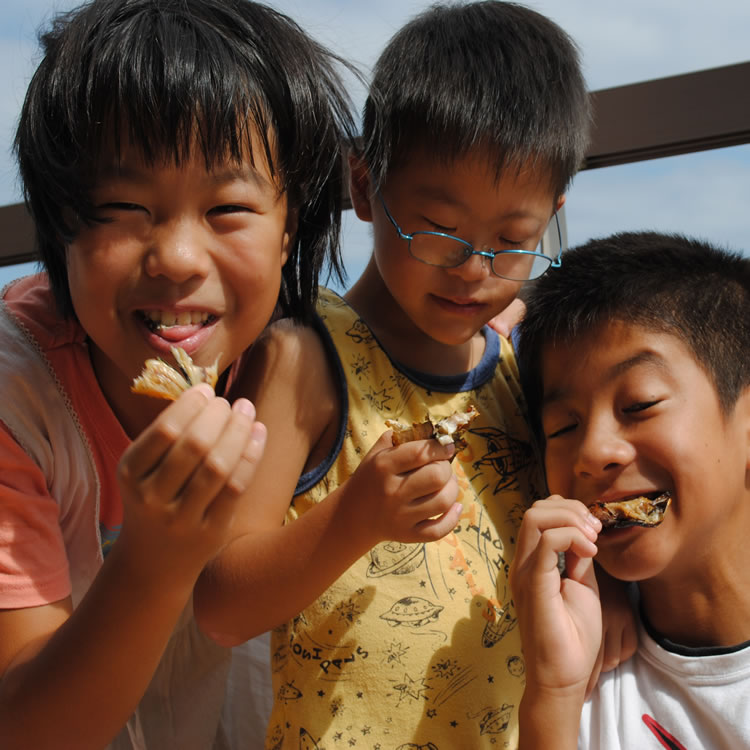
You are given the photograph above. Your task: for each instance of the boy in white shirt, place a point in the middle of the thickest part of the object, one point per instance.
(634, 359)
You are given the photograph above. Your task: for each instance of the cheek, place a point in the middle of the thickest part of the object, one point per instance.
(558, 479)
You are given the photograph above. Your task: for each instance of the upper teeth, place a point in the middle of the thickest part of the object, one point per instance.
(165, 318)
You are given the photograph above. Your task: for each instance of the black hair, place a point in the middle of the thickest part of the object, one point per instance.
(664, 283)
(176, 75)
(490, 75)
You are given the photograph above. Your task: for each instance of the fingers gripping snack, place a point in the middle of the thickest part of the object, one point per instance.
(638, 511)
(161, 380)
(448, 430)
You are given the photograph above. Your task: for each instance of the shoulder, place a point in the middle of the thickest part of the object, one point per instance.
(30, 304)
(291, 378)
(286, 349)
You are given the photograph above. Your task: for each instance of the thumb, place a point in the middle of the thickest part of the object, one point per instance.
(383, 442)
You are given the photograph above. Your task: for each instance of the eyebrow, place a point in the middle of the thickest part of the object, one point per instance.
(645, 357)
(224, 176)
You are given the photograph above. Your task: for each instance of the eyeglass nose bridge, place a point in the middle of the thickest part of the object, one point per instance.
(470, 251)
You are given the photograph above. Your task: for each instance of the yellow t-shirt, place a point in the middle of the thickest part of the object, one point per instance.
(416, 645)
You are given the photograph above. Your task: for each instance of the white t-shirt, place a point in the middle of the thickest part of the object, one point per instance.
(670, 696)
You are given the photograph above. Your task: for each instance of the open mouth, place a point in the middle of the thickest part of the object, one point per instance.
(643, 510)
(158, 320)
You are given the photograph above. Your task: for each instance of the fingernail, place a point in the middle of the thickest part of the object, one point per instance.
(258, 433)
(243, 406)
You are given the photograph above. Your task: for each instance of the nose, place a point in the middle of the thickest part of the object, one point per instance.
(475, 268)
(177, 251)
(602, 450)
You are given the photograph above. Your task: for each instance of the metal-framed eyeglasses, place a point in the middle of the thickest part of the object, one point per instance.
(515, 264)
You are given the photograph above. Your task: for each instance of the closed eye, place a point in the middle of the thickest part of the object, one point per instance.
(106, 213)
(639, 407)
(561, 431)
(229, 208)
(439, 227)
(119, 206)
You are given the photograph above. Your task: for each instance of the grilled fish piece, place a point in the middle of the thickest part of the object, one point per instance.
(638, 511)
(447, 430)
(161, 380)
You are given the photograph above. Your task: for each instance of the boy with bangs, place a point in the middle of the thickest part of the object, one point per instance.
(182, 163)
(386, 576)
(635, 360)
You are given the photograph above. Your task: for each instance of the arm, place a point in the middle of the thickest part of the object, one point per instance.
(559, 619)
(70, 678)
(270, 572)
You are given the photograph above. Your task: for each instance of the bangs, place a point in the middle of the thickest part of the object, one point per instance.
(182, 91)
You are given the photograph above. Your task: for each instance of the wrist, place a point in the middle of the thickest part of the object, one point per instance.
(550, 717)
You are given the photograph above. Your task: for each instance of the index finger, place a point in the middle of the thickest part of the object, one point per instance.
(417, 453)
(554, 512)
(148, 449)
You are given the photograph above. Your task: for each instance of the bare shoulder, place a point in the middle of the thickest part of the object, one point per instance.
(292, 382)
(289, 360)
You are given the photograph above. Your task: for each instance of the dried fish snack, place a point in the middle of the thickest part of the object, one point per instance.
(637, 511)
(160, 380)
(448, 430)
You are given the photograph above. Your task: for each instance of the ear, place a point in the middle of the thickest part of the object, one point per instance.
(360, 189)
(290, 234)
(560, 203)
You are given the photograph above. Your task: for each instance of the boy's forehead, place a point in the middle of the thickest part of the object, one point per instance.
(605, 352)
(437, 168)
(455, 179)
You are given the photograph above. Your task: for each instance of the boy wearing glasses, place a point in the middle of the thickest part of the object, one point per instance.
(388, 571)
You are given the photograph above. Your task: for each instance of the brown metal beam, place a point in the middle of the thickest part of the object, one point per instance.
(669, 116)
(649, 120)
(17, 233)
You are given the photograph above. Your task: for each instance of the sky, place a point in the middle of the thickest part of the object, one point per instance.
(621, 42)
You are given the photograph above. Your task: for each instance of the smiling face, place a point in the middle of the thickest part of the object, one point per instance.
(428, 304)
(182, 257)
(628, 411)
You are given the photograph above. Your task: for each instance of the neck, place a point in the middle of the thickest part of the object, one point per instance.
(713, 610)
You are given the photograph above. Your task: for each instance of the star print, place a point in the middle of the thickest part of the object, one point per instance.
(321, 693)
(412, 688)
(348, 611)
(395, 651)
(379, 399)
(423, 583)
(338, 736)
(366, 730)
(490, 679)
(454, 723)
(360, 694)
(431, 713)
